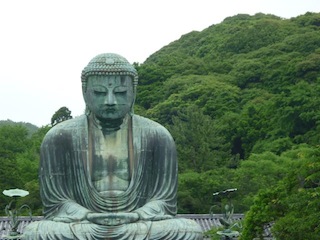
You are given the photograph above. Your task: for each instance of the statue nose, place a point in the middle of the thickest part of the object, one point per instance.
(110, 99)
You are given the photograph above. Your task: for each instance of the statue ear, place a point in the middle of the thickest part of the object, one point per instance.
(134, 99)
(84, 91)
(87, 111)
(85, 97)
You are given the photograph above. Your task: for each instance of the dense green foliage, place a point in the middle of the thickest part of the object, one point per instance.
(241, 99)
(293, 203)
(30, 127)
(238, 98)
(19, 162)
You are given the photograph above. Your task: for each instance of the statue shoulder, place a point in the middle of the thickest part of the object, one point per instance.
(150, 125)
(67, 127)
(145, 122)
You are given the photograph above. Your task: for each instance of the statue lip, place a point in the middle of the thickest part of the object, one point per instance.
(110, 109)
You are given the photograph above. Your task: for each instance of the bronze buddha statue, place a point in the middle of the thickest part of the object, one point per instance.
(109, 174)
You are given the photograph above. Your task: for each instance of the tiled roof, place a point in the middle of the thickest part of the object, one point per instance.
(206, 221)
(5, 224)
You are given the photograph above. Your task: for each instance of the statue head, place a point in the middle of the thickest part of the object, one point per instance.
(109, 86)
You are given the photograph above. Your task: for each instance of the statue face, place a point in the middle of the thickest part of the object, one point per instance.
(109, 97)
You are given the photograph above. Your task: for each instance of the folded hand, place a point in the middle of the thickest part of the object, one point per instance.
(112, 219)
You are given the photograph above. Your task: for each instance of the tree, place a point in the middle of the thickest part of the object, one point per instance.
(13, 141)
(200, 146)
(259, 171)
(61, 115)
(295, 197)
(196, 189)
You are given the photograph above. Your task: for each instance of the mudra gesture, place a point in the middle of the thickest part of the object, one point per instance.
(109, 174)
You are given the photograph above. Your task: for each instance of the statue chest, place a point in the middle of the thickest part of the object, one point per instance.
(110, 162)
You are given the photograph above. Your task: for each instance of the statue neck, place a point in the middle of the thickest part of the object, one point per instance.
(109, 125)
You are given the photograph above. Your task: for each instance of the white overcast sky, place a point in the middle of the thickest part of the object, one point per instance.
(44, 45)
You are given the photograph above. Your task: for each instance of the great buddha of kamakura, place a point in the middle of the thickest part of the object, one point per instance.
(109, 174)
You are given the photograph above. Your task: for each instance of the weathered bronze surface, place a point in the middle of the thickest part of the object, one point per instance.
(109, 174)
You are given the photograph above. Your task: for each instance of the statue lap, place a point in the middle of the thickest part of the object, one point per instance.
(175, 229)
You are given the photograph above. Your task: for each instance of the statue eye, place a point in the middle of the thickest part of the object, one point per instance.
(99, 91)
(120, 89)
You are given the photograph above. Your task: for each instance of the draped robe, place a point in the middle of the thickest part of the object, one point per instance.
(66, 186)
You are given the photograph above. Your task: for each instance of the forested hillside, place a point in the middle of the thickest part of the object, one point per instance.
(19, 158)
(241, 99)
(30, 127)
(19, 161)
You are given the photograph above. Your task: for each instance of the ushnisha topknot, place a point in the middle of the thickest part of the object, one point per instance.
(109, 64)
